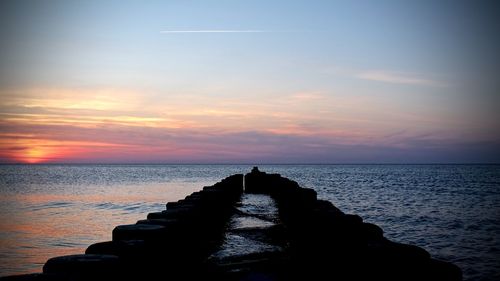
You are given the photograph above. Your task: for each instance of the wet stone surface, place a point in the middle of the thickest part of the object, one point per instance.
(253, 228)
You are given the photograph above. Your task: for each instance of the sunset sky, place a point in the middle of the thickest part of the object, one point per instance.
(249, 82)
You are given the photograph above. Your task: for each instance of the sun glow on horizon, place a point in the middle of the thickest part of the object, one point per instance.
(35, 155)
(31, 150)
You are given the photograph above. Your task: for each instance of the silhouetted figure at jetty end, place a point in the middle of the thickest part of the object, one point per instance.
(254, 227)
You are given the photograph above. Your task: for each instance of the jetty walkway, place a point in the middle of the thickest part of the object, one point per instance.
(254, 227)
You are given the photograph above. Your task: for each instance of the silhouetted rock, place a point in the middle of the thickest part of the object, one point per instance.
(122, 248)
(34, 277)
(84, 267)
(139, 232)
(444, 271)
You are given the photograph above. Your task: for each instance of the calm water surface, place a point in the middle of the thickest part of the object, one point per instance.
(450, 210)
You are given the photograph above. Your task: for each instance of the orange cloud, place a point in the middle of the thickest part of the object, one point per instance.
(29, 149)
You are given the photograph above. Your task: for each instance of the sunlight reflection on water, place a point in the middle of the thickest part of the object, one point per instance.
(35, 227)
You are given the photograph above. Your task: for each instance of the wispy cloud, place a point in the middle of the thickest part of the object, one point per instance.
(308, 96)
(218, 31)
(398, 78)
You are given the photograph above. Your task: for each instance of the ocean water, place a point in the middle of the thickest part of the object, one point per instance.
(450, 210)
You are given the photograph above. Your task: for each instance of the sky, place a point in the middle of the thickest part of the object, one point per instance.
(249, 81)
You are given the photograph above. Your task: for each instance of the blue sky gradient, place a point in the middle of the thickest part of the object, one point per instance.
(315, 81)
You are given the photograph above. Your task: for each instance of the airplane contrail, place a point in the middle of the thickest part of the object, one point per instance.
(216, 31)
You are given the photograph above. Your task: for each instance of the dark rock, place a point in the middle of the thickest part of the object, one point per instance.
(122, 248)
(257, 266)
(327, 206)
(163, 222)
(139, 232)
(443, 271)
(34, 277)
(84, 267)
(351, 219)
(372, 231)
(399, 251)
(157, 215)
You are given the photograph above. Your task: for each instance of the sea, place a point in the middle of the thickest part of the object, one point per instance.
(452, 211)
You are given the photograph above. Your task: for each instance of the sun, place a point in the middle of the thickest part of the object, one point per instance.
(34, 155)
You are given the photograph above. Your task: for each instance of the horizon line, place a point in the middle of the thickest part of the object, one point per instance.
(255, 164)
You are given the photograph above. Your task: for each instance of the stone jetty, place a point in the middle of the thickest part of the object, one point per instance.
(254, 227)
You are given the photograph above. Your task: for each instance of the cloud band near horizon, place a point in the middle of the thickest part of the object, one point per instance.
(110, 125)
